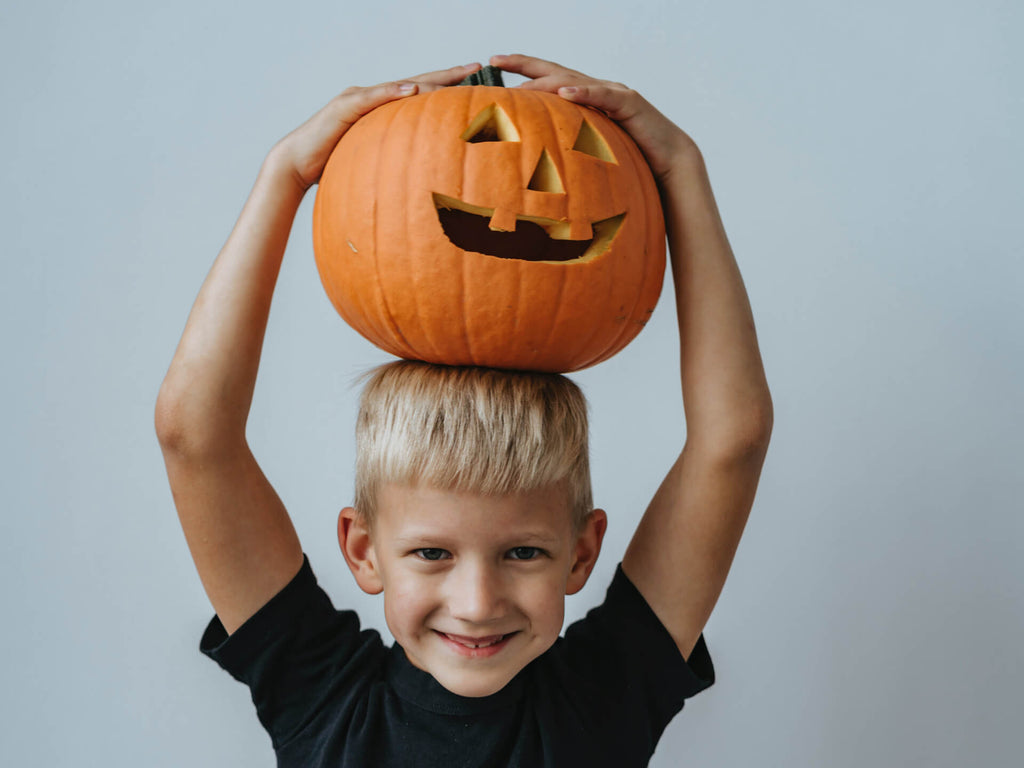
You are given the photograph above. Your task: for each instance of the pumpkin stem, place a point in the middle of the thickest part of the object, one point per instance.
(487, 76)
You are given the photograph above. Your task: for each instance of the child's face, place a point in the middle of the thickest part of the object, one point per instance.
(459, 567)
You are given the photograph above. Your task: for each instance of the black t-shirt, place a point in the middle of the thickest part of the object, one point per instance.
(330, 694)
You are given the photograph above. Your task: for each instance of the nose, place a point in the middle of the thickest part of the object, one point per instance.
(546, 177)
(476, 594)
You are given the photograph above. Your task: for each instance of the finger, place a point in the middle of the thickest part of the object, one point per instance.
(443, 77)
(549, 83)
(530, 66)
(357, 102)
(430, 87)
(353, 103)
(619, 103)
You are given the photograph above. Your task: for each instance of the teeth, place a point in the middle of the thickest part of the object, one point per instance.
(479, 645)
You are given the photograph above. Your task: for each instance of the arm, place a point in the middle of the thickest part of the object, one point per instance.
(684, 545)
(683, 548)
(240, 536)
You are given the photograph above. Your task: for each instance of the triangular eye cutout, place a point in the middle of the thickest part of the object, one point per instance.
(590, 142)
(545, 176)
(492, 124)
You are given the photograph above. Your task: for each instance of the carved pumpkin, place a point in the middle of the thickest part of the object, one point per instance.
(490, 226)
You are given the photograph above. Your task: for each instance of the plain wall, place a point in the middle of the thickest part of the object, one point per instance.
(867, 159)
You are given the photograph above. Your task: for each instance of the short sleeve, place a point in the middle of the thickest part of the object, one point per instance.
(296, 653)
(628, 667)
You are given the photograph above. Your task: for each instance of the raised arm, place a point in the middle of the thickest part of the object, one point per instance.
(683, 548)
(684, 545)
(240, 536)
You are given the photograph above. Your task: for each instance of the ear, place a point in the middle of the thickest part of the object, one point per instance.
(587, 548)
(357, 546)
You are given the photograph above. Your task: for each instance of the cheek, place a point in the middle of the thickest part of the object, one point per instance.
(405, 599)
(546, 600)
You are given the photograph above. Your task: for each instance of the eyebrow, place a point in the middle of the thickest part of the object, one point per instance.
(514, 539)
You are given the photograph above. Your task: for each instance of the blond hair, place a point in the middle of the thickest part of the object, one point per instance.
(471, 429)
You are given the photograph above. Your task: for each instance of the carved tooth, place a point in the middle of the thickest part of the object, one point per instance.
(580, 230)
(503, 220)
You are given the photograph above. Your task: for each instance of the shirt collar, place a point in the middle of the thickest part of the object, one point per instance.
(422, 689)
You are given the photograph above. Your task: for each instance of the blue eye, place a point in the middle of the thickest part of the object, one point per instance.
(525, 553)
(431, 553)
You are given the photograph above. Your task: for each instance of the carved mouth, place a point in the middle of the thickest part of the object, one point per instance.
(533, 238)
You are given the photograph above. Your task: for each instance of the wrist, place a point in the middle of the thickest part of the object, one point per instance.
(279, 170)
(686, 162)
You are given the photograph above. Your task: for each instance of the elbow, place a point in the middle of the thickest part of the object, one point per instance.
(186, 427)
(761, 421)
(168, 420)
(743, 436)
(759, 430)
(750, 435)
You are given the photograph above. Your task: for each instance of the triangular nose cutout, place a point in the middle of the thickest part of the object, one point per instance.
(491, 124)
(590, 142)
(545, 176)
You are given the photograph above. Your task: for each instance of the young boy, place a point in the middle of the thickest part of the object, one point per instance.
(473, 505)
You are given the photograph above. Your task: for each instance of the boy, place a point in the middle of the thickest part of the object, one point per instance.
(473, 572)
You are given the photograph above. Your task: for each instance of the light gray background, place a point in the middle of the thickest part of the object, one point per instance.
(867, 160)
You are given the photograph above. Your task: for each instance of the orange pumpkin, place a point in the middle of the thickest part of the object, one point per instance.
(490, 226)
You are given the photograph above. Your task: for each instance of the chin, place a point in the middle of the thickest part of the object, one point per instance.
(482, 685)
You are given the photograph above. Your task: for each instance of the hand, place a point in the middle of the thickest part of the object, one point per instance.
(662, 141)
(304, 151)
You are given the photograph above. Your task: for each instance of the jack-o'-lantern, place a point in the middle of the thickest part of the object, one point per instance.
(490, 226)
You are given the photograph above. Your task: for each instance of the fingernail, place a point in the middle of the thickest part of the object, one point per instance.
(568, 90)
(407, 87)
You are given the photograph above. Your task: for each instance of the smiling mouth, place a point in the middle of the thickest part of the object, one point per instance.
(475, 643)
(481, 642)
(534, 238)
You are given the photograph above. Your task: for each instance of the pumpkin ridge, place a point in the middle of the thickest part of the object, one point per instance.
(619, 204)
(597, 328)
(368, 323)
(562, 273)
(563, 277)
(626, 330)
(389, 315)
(463, 315)
(414, 296)
(516, 301)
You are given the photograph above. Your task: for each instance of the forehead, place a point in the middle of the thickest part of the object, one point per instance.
(403, 509)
